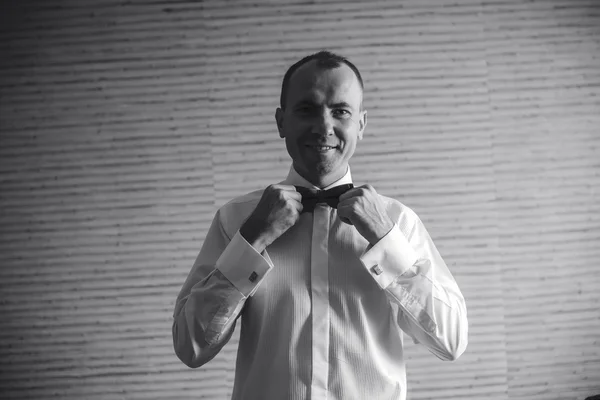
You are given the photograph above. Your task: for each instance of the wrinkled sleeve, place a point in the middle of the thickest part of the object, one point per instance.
(225, 273)
(431, 308)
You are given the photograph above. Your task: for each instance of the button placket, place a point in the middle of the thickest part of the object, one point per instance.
(319, 269)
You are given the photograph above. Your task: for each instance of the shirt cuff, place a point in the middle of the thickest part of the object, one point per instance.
(242, 265)
(389, 258)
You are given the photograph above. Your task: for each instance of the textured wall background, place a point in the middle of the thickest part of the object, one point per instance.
(125, 124)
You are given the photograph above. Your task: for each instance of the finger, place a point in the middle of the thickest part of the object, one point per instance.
(347, 202)
(344, 210)
(349, 194)
(293, 195)
(287, 188)
(343, 213)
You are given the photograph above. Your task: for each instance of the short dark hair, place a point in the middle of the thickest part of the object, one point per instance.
(326, 60)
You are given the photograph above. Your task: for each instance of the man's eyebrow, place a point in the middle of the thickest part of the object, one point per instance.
(312, 103)
(341, 104)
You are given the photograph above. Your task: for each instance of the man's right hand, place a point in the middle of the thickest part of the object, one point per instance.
(277, 211)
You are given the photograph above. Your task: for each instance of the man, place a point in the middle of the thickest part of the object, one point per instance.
(324, 286)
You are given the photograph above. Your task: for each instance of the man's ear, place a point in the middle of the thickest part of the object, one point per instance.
(279, 120)
(362, 123)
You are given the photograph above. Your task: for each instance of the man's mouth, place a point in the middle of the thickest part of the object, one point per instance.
(321, 148)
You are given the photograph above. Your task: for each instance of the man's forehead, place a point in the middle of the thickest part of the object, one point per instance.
(310, 79)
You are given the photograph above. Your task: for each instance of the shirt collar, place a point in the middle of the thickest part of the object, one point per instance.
(294, 178)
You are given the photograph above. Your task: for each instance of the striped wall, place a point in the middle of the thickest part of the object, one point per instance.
(124, 125)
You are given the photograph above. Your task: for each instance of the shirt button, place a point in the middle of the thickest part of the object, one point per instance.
(253, 276)
(377, 269)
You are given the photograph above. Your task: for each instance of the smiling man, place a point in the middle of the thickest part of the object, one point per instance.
(325, 276)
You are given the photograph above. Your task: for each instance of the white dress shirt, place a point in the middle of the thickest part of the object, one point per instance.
(322, 310)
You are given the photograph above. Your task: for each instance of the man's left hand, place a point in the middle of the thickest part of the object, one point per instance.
(363, 208)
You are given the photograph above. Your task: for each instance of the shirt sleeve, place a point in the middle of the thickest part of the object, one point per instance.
(431, 308)
(225, 273)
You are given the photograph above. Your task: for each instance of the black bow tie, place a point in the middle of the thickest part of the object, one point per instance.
(311, 197)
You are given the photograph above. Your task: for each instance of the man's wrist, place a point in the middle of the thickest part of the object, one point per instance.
(253, 238)
(381, 233)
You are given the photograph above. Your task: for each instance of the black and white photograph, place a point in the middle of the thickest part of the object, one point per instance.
(300, 200)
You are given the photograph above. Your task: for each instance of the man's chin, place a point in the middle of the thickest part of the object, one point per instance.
(320, 165)
(321, 169)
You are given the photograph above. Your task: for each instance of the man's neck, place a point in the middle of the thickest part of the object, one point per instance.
(323, 181)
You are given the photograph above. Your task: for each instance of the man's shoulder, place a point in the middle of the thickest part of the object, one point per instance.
(233, 213)
(242, 204)
(243, 200)
(397, 210)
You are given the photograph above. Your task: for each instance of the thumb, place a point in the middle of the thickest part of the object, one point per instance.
(346, 220)
(343, 214)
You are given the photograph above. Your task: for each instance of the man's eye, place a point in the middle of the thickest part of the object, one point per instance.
(340, 112)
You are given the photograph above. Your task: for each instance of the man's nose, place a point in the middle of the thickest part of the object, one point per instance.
(323, 124)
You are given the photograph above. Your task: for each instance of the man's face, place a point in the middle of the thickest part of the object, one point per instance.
(322, 121)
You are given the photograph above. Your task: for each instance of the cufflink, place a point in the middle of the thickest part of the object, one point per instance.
(253, 277)
(377, 270)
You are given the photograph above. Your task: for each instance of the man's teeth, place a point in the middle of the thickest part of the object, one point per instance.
(324, 147)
